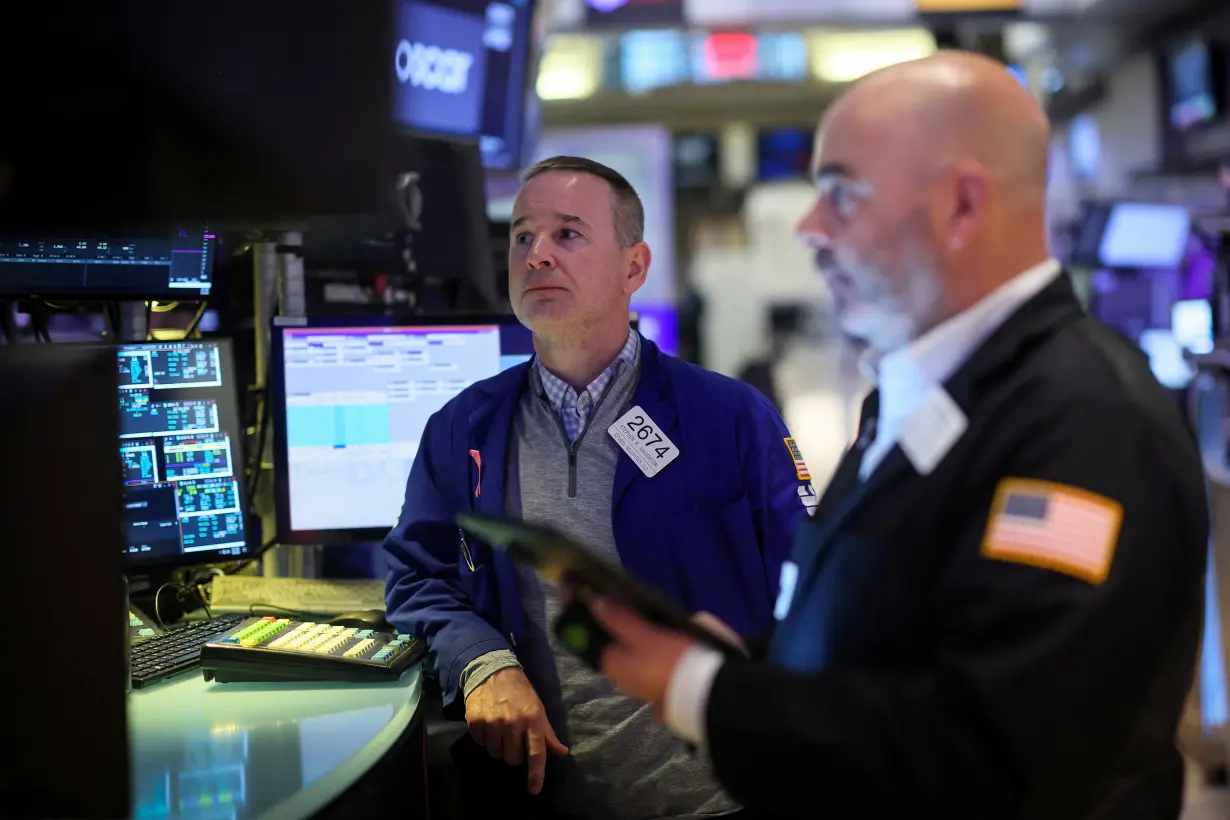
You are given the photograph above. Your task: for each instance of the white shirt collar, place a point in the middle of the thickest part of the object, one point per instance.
(906, 375)
(938, 353)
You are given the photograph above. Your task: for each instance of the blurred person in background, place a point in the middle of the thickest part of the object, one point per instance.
(996, 610)
(707, 513)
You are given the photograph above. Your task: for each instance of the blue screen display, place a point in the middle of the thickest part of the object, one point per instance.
(459, 70)
(439, 69)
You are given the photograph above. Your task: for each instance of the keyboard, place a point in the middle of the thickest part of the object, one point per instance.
(156, 658)
(273, 649)
(257, 595)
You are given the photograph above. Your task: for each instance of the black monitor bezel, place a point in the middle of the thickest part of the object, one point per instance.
(251, 528)
(277, 406)
(142, 231)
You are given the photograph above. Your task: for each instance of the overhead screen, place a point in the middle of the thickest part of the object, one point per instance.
(1140, 235)
(174, 263)
(460, 70)
(1193, 88)
(1131, 235)
(664, 58)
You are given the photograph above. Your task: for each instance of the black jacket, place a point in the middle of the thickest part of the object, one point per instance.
(937, 682)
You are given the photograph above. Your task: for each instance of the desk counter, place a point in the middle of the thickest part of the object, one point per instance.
(207, 751)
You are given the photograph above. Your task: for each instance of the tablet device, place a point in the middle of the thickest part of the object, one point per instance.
(558, 558)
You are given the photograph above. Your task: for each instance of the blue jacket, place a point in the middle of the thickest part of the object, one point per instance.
(711, 529)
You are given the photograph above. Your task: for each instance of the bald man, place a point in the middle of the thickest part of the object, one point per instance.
(995, 610)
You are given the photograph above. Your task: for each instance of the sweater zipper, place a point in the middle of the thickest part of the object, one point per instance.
(573, 445)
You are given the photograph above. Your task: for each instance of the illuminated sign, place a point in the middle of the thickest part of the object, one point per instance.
(729, 56)
(653, 58)
(434, 92)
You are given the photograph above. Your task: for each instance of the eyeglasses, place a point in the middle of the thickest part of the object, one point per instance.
(843, 193)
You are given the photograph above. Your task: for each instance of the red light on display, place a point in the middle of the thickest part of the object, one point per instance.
(730, 56)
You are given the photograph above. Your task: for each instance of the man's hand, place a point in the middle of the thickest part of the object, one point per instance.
(505, 714)
(718, 628)
(642, 658)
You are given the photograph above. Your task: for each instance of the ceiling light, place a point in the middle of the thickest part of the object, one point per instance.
(840, 57)
(571, 67)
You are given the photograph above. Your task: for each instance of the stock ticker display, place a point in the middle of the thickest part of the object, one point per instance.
(179, 448)
(177, 264)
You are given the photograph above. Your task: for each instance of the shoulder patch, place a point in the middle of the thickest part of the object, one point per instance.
(800, 466)
(1053, 526)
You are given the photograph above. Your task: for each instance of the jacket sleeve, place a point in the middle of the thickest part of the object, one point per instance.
(775, 490)
(424, 596)
(1037, 682)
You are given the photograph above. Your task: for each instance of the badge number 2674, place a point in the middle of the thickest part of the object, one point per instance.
(637, 434)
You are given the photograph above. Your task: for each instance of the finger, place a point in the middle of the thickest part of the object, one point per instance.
(625, 626)
(536, 752)
(478, 733)
(514, 752)
(495, 741)
(620, 664)
(554, 745)
(511, 740)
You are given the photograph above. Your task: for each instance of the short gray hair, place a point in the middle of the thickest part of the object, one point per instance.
(629, 213)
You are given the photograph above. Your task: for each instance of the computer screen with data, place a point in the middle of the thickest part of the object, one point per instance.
(351, 402)
(170, 263)
(181, 446)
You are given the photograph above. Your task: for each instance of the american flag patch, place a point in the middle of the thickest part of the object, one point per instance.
(1053, 526)
(800, 466)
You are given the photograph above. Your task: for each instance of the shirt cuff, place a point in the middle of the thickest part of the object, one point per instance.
(687, 695)
(484, 666)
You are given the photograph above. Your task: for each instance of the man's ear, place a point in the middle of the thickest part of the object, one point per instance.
(639, 258)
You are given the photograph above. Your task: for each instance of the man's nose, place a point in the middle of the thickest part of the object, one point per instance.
(812, 230)
(541, 253)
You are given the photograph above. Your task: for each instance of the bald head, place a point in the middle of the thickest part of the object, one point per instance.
(952, 106)
(932, 176)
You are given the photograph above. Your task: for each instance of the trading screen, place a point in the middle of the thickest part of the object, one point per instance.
(180, 451)
(357, 402)
(179, 263)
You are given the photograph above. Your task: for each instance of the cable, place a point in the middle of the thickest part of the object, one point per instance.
(196, 319)
(257, 467)
(157, 596)
(299, 613)
(200, 591)
(256, 459)
(182, 593)
(246, 562)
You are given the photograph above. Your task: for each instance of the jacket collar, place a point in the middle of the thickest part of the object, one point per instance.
(490, 421)
(997, 358)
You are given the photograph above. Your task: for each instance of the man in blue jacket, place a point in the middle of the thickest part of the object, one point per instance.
(688, 479)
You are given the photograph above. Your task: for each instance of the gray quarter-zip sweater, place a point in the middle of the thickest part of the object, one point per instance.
(628, 767)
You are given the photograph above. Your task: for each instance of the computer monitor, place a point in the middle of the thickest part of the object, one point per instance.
(181, 446)
(461, 69)
(174, 263)
(1145, 235)
(65, 728)
(351, 398)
